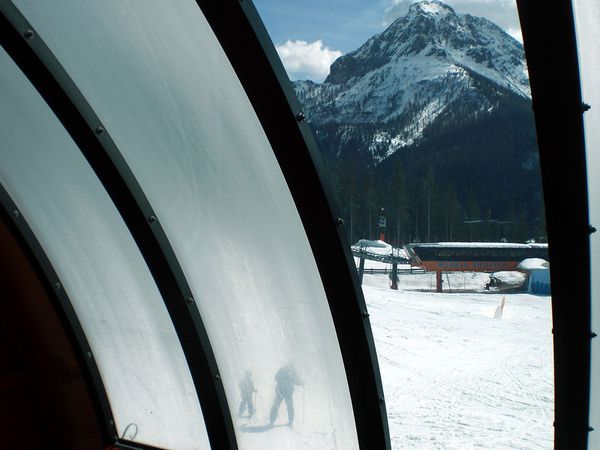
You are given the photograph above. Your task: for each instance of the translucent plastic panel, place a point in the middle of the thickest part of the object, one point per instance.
(587, 20)
(132, 338)
(163, 87)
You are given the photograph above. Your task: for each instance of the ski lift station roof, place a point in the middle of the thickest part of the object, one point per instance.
(147, 150)
(480, 245)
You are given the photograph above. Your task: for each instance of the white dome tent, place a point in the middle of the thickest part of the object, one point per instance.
(538, 275)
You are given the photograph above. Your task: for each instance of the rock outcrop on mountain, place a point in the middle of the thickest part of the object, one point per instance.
(426, 66)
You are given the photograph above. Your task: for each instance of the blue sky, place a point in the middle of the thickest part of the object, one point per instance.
(342, 24)
(310, 34)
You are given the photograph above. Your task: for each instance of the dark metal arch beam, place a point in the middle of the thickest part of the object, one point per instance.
(550, 47)
(55, 86)
(54, 287)
(246, 42)
(123, 444)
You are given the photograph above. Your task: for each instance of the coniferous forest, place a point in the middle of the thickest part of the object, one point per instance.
(467, 180)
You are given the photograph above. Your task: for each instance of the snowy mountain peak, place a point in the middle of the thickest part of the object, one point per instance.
(431, 32)
(429, 64)
(430, 8)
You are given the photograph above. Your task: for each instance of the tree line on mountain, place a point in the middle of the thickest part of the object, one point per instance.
(429, 211)
(473, 177)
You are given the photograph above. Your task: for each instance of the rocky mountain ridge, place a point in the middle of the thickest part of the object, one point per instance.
(424, 66)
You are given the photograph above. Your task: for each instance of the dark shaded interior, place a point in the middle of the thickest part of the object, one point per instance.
(45, 402)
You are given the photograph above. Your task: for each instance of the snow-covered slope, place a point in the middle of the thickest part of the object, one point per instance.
(456, 375)
(430, 64)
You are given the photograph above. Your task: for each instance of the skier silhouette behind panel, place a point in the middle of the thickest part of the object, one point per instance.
(286, 379)
(246, 391)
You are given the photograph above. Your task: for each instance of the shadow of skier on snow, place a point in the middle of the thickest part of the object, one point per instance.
(286, 379)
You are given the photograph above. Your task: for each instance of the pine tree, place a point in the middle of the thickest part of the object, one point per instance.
(472, 214)
(451, 213)
(427, 198)
(398, 206)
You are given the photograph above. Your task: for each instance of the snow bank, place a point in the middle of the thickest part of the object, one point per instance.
(507, 280)
(374, 246)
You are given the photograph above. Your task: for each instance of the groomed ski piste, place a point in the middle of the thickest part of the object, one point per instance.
(459, 371)
(456, 373)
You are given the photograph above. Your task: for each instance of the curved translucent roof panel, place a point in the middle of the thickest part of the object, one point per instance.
(587, 24)
(116, 300)
(164, 90)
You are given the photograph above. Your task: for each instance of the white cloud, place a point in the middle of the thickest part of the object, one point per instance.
(396, 9)
(310, 60)
(515, 33)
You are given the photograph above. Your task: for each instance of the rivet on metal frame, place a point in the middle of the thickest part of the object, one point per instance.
(28, 34)
(99, 130)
